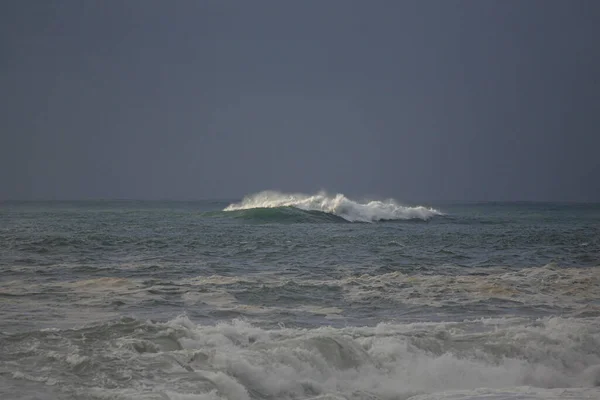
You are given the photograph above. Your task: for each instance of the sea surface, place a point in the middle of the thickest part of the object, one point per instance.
(282, 296)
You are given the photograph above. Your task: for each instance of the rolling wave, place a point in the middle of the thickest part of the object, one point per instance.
(286, 214)
(338, 205)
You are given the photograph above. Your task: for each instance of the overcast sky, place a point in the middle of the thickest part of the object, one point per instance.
(432, 100)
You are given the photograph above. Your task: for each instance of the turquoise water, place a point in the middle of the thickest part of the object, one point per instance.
(170, 300)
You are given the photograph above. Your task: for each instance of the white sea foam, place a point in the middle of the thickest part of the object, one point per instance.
(338, 205)
(502, 358)
(520, 393)
(391, 361)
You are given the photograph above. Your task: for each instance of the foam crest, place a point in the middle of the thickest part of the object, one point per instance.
(338, 205)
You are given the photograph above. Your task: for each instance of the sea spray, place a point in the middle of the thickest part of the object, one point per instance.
(339, 205)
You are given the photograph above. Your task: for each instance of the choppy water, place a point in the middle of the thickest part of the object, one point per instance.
(173, 300)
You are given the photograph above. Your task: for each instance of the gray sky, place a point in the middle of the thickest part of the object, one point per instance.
(432, 100)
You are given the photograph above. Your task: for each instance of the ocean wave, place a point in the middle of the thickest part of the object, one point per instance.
(132, 358)
(285, 215)
(310, 300)
(338, 205)
(551, 287)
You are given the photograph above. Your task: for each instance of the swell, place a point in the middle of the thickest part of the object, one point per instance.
(286, 215)
(338, 205)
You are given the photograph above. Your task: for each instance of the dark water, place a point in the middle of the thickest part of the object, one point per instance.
(174, 300)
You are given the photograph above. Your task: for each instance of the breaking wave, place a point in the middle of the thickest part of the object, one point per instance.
(179, 359)
(338, 205)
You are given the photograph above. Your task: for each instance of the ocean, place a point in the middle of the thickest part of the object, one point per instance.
(282, 296)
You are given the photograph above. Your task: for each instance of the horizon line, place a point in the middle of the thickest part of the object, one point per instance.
(226, 199)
